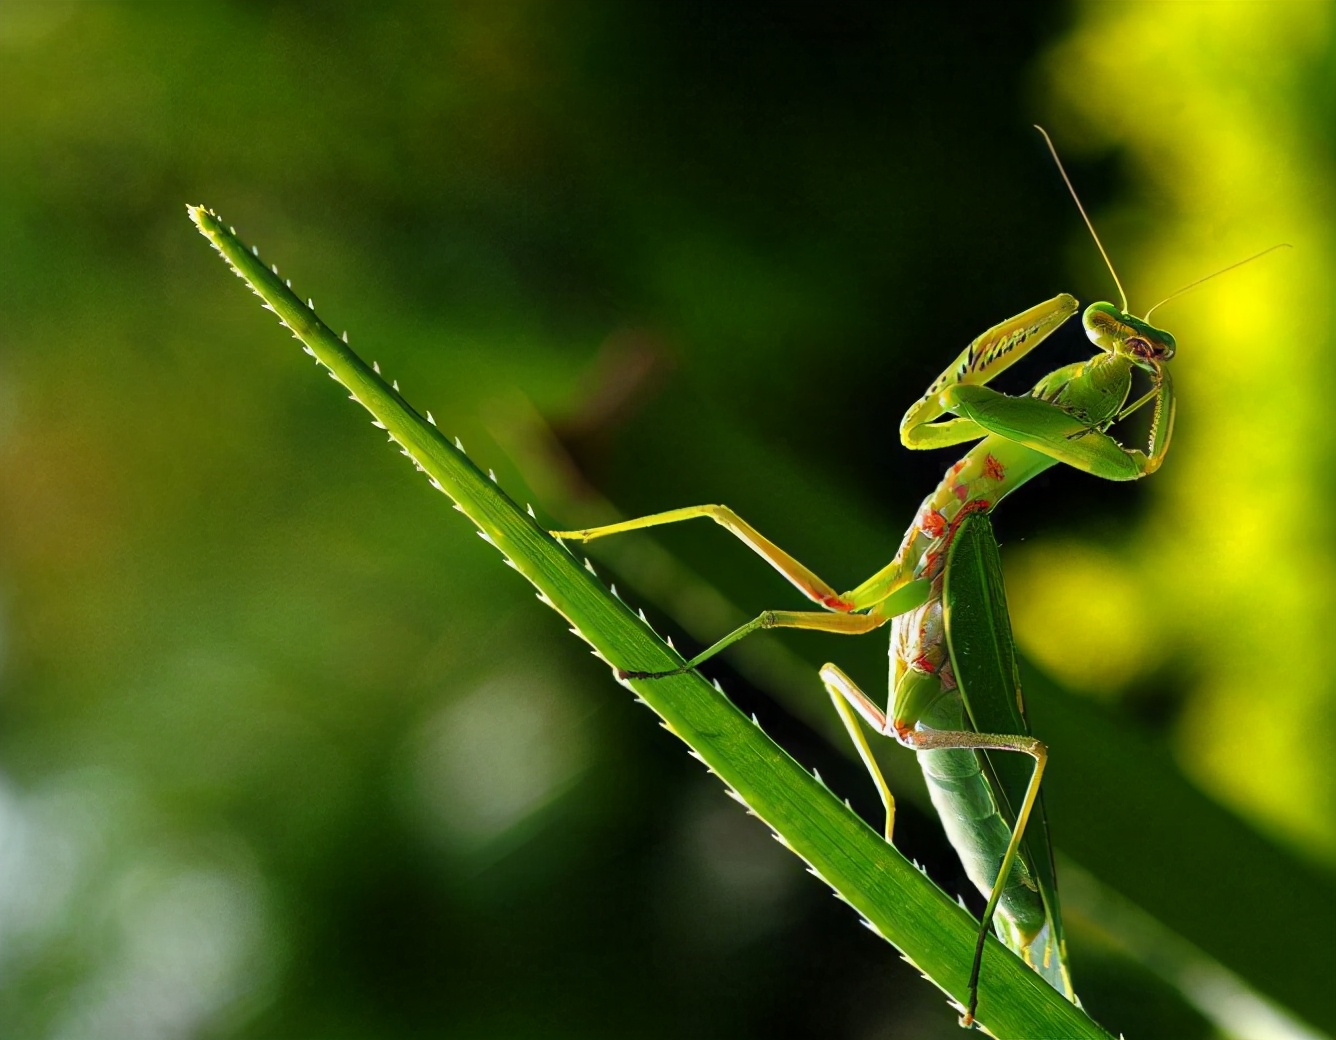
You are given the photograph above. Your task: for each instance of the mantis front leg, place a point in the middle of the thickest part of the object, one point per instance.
(1053, 431)
(986, 357)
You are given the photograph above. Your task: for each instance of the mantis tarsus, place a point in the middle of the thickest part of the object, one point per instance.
(955, 697)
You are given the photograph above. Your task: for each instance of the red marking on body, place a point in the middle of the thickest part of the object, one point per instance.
(933, 523)
(979, 505)
(932, 559)
(835, 603)
(962, 491)
(957, 467)
(994, 470)
(924, 665)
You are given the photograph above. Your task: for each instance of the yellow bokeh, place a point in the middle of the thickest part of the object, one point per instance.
(1233, 560)
(1075, 609)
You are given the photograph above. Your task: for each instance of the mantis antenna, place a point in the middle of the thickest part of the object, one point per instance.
(1193, 285)
(1067, 180)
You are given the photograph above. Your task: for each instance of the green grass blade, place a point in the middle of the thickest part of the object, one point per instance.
(892, 895)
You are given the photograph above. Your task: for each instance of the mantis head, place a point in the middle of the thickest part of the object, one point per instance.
(1118, 332)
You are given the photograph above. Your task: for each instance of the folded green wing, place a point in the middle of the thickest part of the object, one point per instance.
(983, 657)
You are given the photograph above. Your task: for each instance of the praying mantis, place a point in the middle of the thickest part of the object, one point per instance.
(955, 697)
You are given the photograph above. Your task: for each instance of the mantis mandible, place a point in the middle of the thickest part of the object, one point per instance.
(955, 696)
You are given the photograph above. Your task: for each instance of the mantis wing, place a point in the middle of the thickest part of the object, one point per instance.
(983, 657)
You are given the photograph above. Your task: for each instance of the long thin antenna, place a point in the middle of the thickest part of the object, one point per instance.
(1067, 180)
(1193, 285)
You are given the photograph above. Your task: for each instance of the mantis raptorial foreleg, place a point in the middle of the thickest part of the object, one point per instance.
(1053, 431)
(986, 357)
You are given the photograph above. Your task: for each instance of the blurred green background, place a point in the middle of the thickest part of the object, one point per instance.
(285, 753)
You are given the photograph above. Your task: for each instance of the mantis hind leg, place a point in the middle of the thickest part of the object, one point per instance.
(933, 740)
(848, 699)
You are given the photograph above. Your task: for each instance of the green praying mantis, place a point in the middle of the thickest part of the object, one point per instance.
(955, 692)
(955, 695)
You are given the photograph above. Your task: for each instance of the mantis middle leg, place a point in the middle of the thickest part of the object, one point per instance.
(800, 576)
(868, 607)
